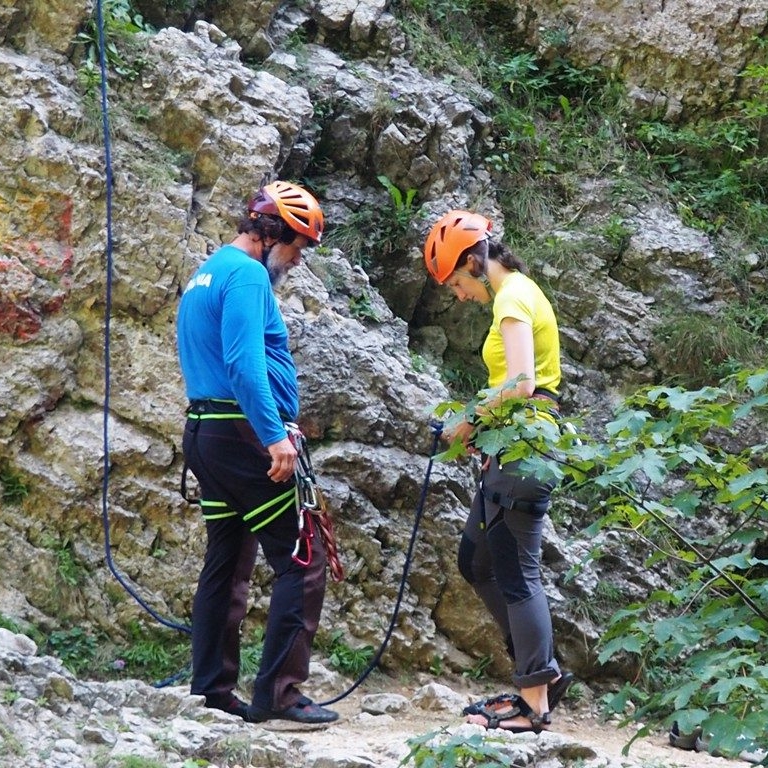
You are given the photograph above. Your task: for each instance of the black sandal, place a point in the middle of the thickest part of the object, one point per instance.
(495, 718)
(556, 690)
(555, 693)
(493, 703)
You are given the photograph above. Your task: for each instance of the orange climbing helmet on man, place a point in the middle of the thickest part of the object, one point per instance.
(293, 204)
(449, 238)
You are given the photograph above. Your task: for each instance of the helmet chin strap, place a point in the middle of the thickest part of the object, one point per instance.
(487, 285)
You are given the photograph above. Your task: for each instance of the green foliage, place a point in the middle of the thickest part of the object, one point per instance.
(576, 692)
(701, 349)
(679, 479)
(418, 363)
(296, 42)
(440, 35)
(616, 233)
(551, 119)
(442, 11)
(75, 647)
(250, 653)
(151, 656)
(9, 744)
(120, 22)
(68, 571)
(342, 657)
(134, 761)
(383, 231)
(9, 696)
(234, 750)
(9, 624)
(717, 169)
(352, 236)
(465, 381)
(403, 203)
(148, 657)
(479, 668)
(433, 750)
(554, 121)
(606, 599)
(361, 307)
(13, 489)
(22, 629)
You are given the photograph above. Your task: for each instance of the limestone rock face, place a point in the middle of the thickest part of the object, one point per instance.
(89, 287)
(677, 57)
(43, 28)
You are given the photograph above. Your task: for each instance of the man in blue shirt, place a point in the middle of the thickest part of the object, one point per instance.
(241, 382)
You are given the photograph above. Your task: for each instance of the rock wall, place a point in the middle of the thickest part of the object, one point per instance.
(678, 58)
(193, 131)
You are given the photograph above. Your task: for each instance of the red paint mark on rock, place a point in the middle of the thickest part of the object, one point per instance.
(18, 322)
(36, 260)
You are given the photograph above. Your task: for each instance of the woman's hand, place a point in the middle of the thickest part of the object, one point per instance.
(463, 431)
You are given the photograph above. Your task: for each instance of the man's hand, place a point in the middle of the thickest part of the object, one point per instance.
(283, 460)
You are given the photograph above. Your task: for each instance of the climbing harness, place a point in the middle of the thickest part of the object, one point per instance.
(311, 509)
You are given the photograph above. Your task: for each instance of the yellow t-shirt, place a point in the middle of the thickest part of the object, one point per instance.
(519, 298)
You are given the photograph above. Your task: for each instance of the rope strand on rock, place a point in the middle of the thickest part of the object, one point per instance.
(107, 325)
(437, 429)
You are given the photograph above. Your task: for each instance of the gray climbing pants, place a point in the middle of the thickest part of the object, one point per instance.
(500, 557)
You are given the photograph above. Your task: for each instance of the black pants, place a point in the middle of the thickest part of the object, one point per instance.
(231, 466)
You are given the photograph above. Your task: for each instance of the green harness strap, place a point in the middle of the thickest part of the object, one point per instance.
(203, 416)
(220, 509)
(289, 498)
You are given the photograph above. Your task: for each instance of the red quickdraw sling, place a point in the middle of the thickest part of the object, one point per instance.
(311, 509)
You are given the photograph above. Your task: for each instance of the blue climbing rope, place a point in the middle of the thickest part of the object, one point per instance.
(107, 322)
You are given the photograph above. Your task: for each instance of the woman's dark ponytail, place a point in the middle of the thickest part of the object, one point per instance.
(506, 257)
(491, 249)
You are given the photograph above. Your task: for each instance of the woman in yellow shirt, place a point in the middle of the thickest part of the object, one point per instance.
(500, 549)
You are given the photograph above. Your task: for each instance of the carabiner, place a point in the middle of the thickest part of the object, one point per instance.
(306, 534)
(308, 494)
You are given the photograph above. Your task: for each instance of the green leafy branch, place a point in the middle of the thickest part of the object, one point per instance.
(439, 749)
(673, 471)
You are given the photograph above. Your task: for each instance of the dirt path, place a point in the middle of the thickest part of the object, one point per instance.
(359, 734)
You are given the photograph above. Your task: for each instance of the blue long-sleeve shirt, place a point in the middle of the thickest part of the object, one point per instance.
(233, 343)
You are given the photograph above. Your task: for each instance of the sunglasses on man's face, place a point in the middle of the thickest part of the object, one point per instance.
(288, 235)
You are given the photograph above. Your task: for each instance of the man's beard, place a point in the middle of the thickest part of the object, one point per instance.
(276, 273)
